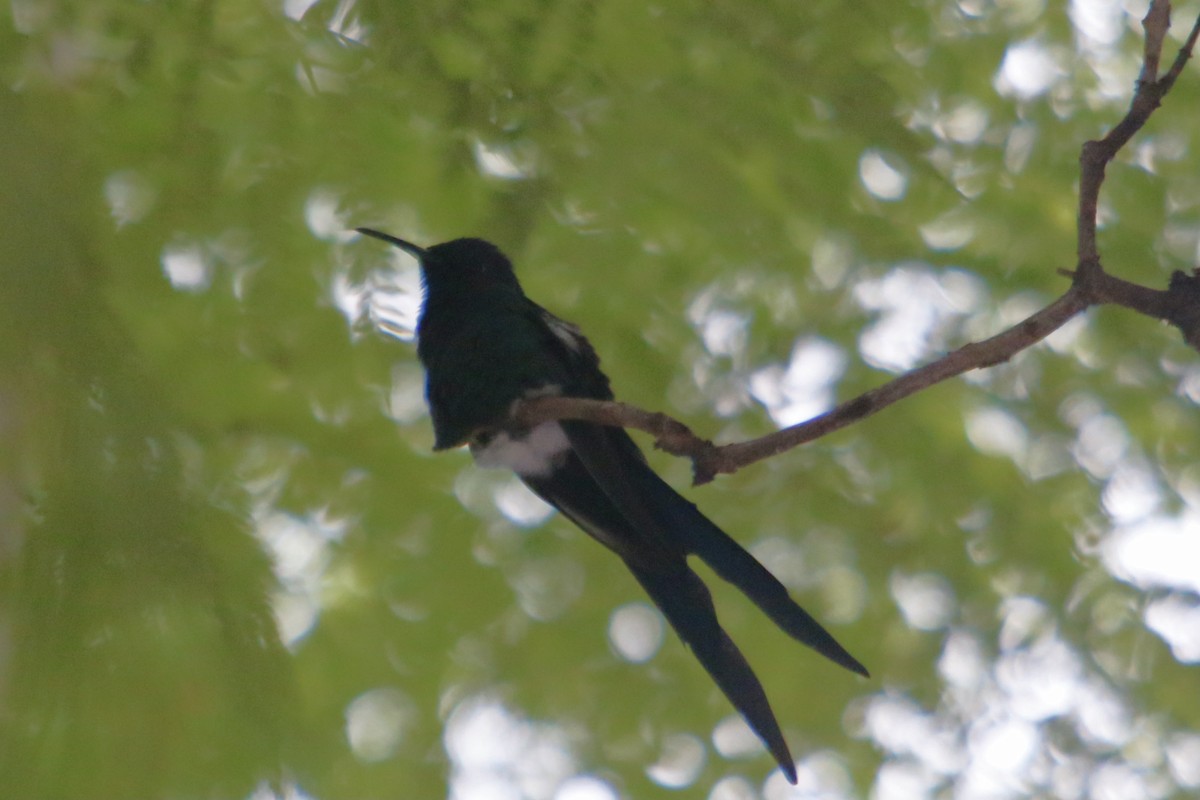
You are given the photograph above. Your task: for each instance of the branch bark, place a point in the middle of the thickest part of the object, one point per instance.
(1178, 304)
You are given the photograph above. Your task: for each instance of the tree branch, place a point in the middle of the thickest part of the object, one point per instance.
(709, 460)
(1179, 304)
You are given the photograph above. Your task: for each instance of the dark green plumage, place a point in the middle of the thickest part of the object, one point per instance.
(484, 346)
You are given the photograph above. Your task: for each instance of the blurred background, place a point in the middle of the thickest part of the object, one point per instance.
(231, 567)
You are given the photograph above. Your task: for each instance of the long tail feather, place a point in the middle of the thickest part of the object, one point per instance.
(734, 564)
(686, 603)
(653, 507)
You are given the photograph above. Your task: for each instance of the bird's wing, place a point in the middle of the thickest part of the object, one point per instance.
(572, 490)
(658, 511)
(575, 355)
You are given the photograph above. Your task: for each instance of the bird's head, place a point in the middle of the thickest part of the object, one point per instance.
(457, 264)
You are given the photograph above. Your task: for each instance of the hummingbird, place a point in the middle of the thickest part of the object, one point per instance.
(485, 346)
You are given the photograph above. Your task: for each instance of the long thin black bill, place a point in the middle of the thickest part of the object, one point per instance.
(408, 247)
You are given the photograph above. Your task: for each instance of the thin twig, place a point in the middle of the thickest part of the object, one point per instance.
(1155, 24)
(709, 460)
(1095, 155)
(1181, 59)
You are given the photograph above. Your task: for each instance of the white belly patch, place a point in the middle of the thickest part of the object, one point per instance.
(534, 454)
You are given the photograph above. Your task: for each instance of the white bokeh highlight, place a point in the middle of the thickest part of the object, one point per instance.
(636, 632)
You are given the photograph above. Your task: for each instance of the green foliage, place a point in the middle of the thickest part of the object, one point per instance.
(208, 436)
